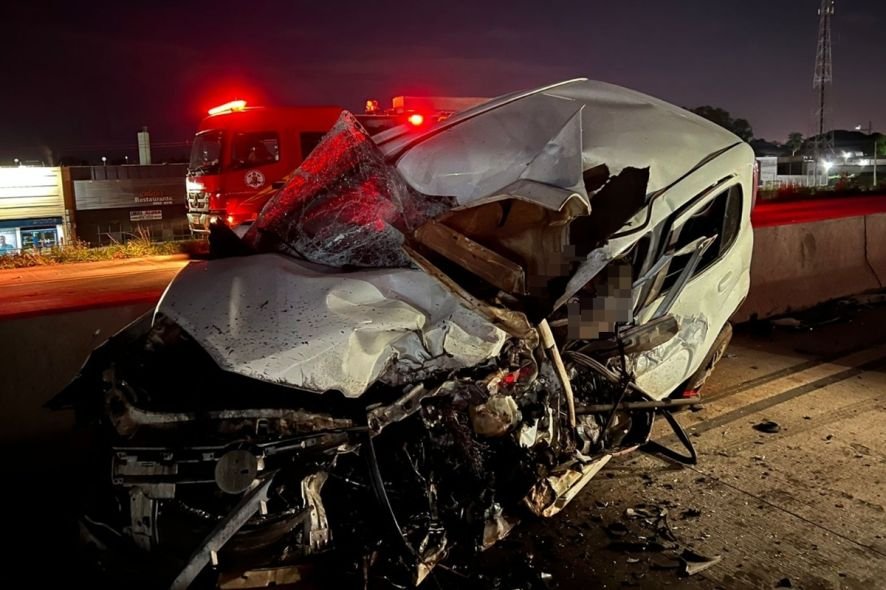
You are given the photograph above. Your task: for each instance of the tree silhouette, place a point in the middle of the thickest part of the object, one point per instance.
(740, 127)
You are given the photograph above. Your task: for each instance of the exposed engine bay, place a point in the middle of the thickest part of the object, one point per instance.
(395, 371)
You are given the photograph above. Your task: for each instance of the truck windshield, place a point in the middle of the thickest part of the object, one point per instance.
(206, 152)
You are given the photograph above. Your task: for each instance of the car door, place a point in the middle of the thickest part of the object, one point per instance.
(701, 277)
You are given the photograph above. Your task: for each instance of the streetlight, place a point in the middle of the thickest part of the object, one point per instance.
(104, 160)
(126, 158)
(876, 155)
(17, 162)
(827, 165)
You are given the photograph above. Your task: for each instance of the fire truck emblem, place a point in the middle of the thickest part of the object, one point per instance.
(254, 179)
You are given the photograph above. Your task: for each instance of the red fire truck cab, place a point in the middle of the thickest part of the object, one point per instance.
(240, 152)
(241, 155)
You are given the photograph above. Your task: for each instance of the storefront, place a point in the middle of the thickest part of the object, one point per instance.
(32, 210)
(120, 203)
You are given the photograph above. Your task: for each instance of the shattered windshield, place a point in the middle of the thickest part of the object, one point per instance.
(344, 206)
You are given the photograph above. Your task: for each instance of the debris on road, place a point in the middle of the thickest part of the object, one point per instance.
(767, 426)
(694, 563)
(650, 534)
(690, 513)
(788, 322)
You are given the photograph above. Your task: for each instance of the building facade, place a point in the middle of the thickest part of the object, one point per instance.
(32, 209)
(117, 203)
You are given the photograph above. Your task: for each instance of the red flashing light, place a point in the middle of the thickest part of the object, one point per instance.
(416, 119)
(234, 105)
(371, 107)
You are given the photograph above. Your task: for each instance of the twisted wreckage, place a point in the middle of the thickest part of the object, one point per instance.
(423, 338)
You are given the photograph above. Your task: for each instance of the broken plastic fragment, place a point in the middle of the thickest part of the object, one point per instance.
(498, 525)
(550, 495)
(694, 563)
(495, 417)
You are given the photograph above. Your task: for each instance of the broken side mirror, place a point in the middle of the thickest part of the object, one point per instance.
(649, 335)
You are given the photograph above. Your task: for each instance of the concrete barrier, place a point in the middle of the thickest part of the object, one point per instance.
(800, 265)
(875, 232)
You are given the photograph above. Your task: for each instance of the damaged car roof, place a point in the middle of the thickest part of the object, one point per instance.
(551, 135)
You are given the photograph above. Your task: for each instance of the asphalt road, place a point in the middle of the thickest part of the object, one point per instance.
(804, 504)
(788, 212)
(70, 287)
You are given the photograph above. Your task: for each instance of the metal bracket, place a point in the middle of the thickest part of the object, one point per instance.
(659, 450)
(208, 550)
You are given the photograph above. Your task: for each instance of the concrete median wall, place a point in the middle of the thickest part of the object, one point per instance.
(800, 265)
(876, 245)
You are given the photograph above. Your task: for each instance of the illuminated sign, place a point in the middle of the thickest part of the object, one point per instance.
(154, 198)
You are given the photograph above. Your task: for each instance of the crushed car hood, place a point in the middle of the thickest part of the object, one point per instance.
(282, 320)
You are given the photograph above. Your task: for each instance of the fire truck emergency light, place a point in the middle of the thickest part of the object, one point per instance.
(234, 105)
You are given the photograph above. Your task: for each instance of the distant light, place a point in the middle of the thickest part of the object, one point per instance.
(416, 119)
(105, 160)
(234, 105)
(858, 127)
(230, 220)
(863, 163)
(371, 106)
(846, 155)
(17, 162)
(827, 165)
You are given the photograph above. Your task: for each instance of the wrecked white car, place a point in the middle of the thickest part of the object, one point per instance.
(423, 339)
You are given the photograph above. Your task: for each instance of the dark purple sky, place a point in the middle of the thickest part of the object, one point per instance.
(82, 76)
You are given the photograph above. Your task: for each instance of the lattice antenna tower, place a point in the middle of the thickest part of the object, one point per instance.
(822, 81)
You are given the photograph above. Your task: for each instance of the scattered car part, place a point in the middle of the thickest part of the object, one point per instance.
(768, 426)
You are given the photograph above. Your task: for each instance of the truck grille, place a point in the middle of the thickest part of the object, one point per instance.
(198, 201)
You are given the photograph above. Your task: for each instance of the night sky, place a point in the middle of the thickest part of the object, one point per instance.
(83, 77)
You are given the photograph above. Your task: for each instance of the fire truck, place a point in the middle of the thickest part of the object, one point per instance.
(242, 154)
